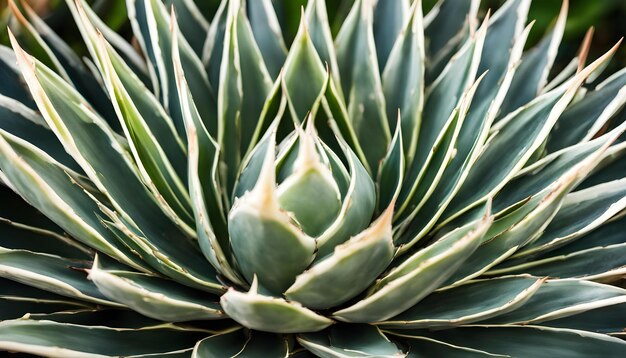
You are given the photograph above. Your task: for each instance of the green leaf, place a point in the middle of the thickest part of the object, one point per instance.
(319, 32)
(417, 276)
(468, 303)
(515, 140)
(57, 339)
(389, 17)
(214, 45)
(70, 65)
(104, 316)
(23, 122)
(611, 167)
(162, 166)
(607, 234)
(268, 35)
(151, 25)
(357, 206)
(347, 271)
(520, 226)
(242, 344)
(585, 118)
(442, 98)
(30, 230)
(469, 143)
(423, 347)
(562, 298)
(153, 296)
(391, 171)
(245, 85)
(123, 47)
(466, 27)
(445, 23)
(17, 299)
(543, 173)
(270, 314)
(256, 224)
(204, 186)
(50, 189)
(350, 341)
(310, 181)
(10, 78)
(532, 341)
(415, 223)
(581, 212)
(356, 54)
(403, 80)
(597, 263)
(97, 150)
(605, 319)
(533, 72)
(193, 25)
(51, 273)
(304, 77)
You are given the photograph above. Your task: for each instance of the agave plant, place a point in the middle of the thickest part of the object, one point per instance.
(418, 185)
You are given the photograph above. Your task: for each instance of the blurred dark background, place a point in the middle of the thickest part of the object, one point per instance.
(607, 16)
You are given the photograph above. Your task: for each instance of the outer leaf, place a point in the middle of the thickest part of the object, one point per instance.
(391, 171)
(12, 86)
(240, 344)
(415, 226)
(606, 319)
(562, 298)
(23, 122)
(533, 72)
(356, 53)
(581, 212)
(56, 339)
(423, 347)
(25, 228)
(472, 302)
(203, 182)
(97, 151)
(268, 35)
(541, 174)
(470, 142)
(70, 65)
(522, 224)
(44, 184)
(442, 97)
(586, 117)
(445, 25)
(154, 297)
(389, 17)
(532, 341)
(593, 264)
(50, 273)
(194, 26)
(242, 91)
(516, 140)
(403, 80)
(151, 25)
(350, 341)
(318, 29)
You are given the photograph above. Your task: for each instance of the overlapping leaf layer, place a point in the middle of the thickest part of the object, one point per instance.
(414, 185)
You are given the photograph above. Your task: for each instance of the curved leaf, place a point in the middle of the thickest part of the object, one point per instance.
(271, 314)
(153, 296)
